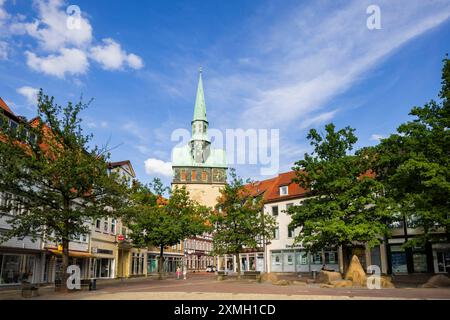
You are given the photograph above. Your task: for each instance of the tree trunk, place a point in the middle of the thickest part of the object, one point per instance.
(238, 266)
(161, 262)
(65, 265)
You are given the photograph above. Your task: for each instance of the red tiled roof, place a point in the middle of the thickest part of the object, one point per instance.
(4, 106)
(270, 188)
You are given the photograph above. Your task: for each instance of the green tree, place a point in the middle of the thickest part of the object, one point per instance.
(155, 221)
(343, 206)
(239, 220)
(59, 183)
(414, 166)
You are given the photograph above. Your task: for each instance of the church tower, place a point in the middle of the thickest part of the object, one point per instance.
(199, 166)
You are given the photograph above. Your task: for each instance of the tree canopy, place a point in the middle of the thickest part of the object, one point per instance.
(156, 221)
(343, 203)
(414, 166)
(54, 182)
(239, 220)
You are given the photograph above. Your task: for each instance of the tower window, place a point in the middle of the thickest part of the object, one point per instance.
(183, 175)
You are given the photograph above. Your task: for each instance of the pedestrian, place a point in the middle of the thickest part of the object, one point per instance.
(178, 273)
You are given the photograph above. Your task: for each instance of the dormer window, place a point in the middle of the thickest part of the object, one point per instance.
(284, 191)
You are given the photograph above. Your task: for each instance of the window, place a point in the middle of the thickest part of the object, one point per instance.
(291, 232)
(32, 138)
(317, 258)
(290, 259)
(288, 205)
(194, 175)
(330, 257)
(275, 211)
(113, 226)
(97, 224)
(103, 268)
(183, 175)
(443, 260)
(105, 226)
(277, 233)
(13, 125)
(204, 176)
(284, 191)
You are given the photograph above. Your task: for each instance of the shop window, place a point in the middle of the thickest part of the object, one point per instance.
(420, 262)
(330, 257)
(103, 268)
(398, 260)
(302, 258)
(443, 259)
(317, 258)
(375, 255)
(290, 259)
(16, 268)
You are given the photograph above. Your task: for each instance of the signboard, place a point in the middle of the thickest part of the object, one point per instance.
(120, 237)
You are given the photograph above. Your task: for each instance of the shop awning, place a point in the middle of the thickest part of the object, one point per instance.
(74, 254)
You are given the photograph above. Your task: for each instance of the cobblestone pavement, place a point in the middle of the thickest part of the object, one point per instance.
(206, 287)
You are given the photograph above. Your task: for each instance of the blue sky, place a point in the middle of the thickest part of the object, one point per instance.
(288, 65)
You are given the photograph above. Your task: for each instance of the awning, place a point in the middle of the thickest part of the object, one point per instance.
(74, 254)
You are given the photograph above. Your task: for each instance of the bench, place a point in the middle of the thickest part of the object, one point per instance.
(221, 275)
(254, 275)
(29, 290)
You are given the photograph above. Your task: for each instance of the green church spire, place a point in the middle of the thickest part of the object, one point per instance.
(200, 106)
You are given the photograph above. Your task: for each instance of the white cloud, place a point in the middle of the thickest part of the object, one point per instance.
(311, 55)
(158, 167)
(4, 48)
(3, 14)
(376, 137)
(134, 61)
(67, 61)
(111, 56)
(143, 149)
(29, 93)
(62, 49)
(50, 27)
(93, 124)
(319, 119)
